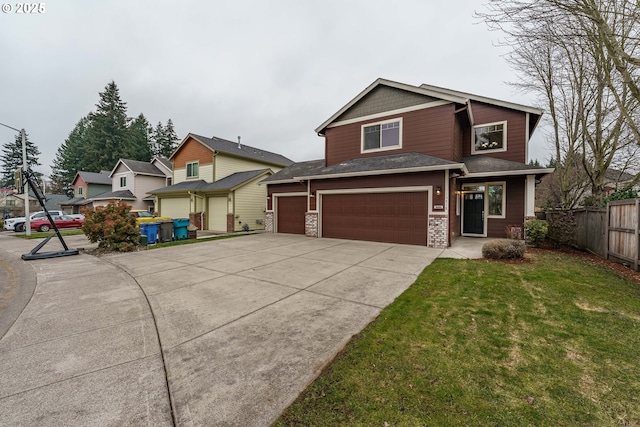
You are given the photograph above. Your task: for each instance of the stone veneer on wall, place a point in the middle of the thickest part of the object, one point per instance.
(268, 222)
(437, 231)
(311, 224)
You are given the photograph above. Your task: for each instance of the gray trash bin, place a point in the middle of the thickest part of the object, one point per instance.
(165, 231)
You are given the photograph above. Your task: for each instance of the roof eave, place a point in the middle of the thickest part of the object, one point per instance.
(545, 171)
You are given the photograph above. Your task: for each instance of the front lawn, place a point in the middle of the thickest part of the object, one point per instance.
(555, 341)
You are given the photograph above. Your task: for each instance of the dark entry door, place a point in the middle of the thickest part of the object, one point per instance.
(473, 222)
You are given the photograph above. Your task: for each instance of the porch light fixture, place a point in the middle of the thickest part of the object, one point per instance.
(438, 190)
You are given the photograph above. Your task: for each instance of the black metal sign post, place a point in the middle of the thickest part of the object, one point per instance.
(34, 252)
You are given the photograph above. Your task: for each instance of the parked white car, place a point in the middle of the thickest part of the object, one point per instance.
(17, 224)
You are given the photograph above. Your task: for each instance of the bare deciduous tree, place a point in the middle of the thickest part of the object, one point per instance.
(579, 57)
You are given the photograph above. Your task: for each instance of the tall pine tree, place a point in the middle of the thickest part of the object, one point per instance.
(11, 159)
(139, 145)
(108, 135)
(70, 158)
(165, 140)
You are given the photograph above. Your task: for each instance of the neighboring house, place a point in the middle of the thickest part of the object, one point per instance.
(617, 180)
(12, 205)
(412, 164)
(215, 184)
(131, 181)
(85, 186)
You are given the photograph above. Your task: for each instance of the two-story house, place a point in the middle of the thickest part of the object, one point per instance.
(215, 184)
(85, 186)
(131, 181)
(412, 164)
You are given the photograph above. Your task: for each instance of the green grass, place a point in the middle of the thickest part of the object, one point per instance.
(42, 235)
(478, 343)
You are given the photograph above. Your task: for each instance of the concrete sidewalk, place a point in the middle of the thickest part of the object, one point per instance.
(227, 332)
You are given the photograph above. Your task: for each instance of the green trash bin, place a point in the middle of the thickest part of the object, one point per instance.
(180, 228)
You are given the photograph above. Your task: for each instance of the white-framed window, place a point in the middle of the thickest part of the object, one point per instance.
(496, 200)
(489, 137)
(192, 170)
(381, 136)
(80, 191)
(123, 181)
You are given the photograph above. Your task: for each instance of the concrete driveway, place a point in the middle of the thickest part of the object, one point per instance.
(218, 333)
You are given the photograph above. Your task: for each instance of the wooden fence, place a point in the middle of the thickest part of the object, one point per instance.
(612, 232)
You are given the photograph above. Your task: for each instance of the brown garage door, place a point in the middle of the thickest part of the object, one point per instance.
(290, 212)
(379, 217)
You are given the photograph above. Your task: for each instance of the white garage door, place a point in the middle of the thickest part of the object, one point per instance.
(217, 213)
(175, 208)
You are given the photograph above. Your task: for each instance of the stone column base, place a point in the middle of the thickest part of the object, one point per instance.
(438, 230)
(311, 224)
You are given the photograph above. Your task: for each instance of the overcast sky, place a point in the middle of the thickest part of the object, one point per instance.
(270, 71)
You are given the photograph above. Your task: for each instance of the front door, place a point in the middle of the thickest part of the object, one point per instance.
(473, 215)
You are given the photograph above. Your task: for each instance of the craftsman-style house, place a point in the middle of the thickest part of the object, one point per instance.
(216, 184)
(412, 164)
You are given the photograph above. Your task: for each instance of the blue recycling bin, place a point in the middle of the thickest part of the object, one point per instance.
(149, 229)
(180, 228)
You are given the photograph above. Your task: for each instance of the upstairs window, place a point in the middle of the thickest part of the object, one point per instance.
(192, 170)
(381, 136)
(80, 191)
(489, 137)
(123, 181)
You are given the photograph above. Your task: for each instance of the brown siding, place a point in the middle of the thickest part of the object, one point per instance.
(454, 220)
(192, 151)
(516, 130)
(427, 131)
(377, 181)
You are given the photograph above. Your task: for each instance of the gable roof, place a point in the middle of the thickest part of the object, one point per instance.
(120, 194)
(138, 168)
(94, 178)
(484, 166)
(164, 161)
(377, 165)
(228, 183)
(239, 150)
(428, 91)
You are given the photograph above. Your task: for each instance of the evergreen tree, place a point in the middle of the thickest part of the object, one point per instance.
(138, 147)
(165, 139)
(108, 134)
(11, 159)
(71, 158)
(170, 140)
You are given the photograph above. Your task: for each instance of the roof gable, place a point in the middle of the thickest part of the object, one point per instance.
(137, 168)
(389, 96)
(101, 178)
(236, 149)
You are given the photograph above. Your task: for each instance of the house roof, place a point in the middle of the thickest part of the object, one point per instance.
(484, 166)
(428, 91)
(378, 165)
(78, 201)
(139, 168)
(164, 161)
(121, 194)
(230, 182)
(239, 150)
(94, 177)
(616, 175)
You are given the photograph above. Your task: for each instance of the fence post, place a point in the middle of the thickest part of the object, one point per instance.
(637, 236)
(606, 231)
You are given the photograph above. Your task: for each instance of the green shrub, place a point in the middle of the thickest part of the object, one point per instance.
(535, 231)
(112, 227)
(504, 249)
(562, 228)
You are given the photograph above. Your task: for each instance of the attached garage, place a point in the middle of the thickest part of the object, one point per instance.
(400, 217)
(175, 207)
(290, 213)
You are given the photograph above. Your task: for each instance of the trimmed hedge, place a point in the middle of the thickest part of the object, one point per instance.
(504, 249)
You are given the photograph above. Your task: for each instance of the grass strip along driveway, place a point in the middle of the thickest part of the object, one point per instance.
(554, 341)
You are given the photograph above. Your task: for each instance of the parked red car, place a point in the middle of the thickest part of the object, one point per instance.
(62, 221)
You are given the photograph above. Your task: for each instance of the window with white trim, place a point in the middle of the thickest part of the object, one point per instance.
(123, 181)
(382, 136)
(192, 170)
(489, 137)
(496, 199)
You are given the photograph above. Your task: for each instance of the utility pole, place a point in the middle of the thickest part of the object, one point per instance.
(27, 220)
